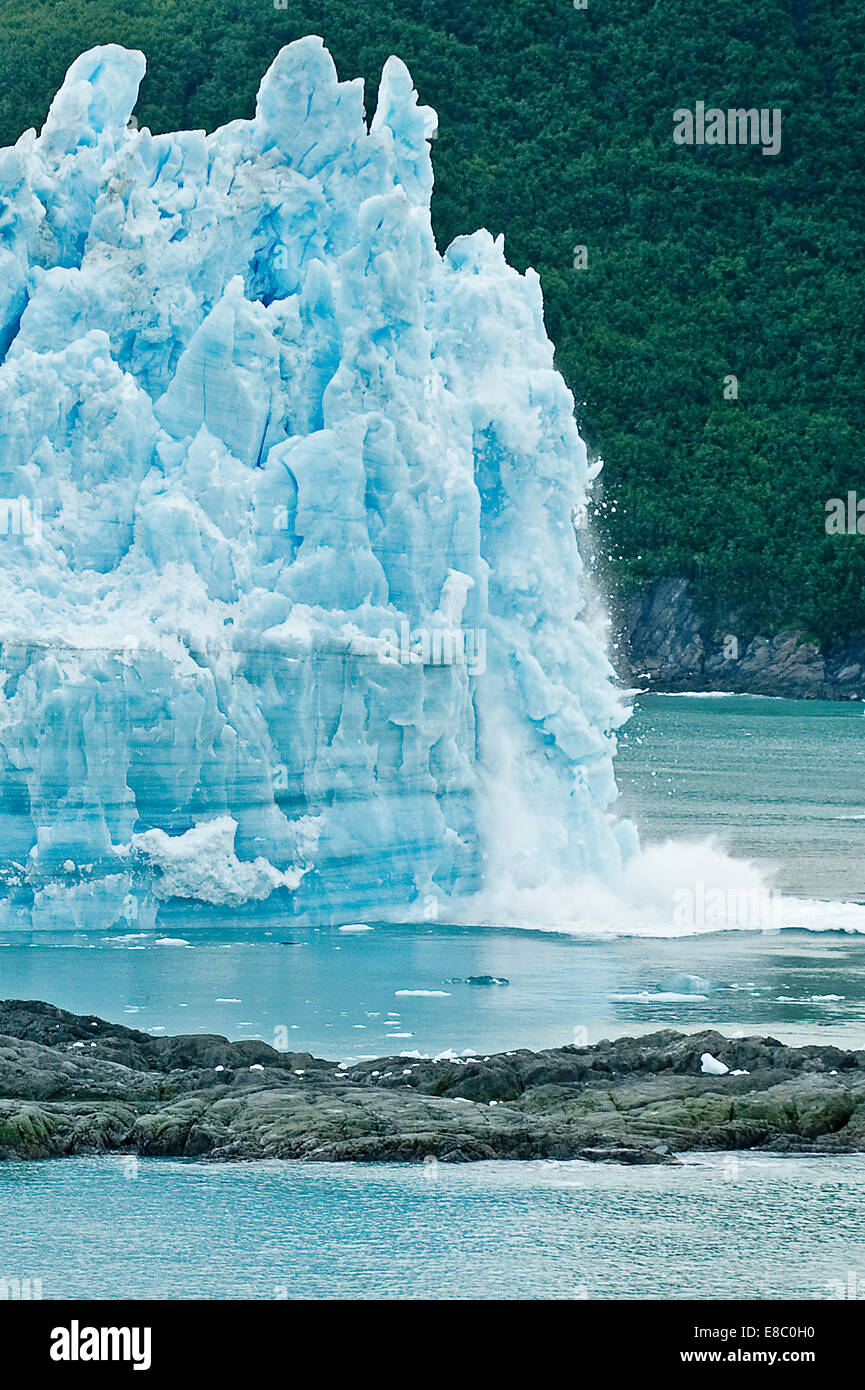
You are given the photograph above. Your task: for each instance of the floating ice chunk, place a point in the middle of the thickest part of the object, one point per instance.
(422, 993)
(684, 984)
(479, 980)
(646, 996)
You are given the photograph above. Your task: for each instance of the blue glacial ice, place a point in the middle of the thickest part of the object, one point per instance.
(293, 611)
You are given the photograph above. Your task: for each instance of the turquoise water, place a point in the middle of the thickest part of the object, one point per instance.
(756, 1226)
(339, 996)
(778, 782)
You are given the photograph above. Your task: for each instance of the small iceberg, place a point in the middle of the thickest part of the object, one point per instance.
(422, 993)
(478, 980)
(687, 984)
(645, 996)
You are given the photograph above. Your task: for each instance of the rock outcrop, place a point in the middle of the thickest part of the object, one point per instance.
(81, 1085)
(664, 639)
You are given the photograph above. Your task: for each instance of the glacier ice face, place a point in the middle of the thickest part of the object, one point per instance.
(291, 598)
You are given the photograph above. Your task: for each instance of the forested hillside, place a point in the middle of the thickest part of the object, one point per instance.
(703, 261)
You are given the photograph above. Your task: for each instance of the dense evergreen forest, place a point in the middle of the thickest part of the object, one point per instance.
(704, 262)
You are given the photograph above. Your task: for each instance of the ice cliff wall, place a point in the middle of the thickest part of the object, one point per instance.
(290, 595)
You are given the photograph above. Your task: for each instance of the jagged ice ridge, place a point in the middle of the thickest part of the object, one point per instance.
(252, 425)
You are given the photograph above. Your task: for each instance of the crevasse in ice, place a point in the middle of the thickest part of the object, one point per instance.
(291, 596)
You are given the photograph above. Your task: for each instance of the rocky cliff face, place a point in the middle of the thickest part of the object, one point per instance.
(664, 640)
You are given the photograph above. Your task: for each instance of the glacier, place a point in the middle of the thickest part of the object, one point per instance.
(292, 609)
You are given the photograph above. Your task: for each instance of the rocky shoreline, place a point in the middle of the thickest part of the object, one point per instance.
(73, 1084)
(663, 640)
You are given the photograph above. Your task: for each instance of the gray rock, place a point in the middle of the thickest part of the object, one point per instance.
(71, 1085)
(667, 641)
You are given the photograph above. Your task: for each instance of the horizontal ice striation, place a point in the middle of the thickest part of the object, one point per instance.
(290, 588)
